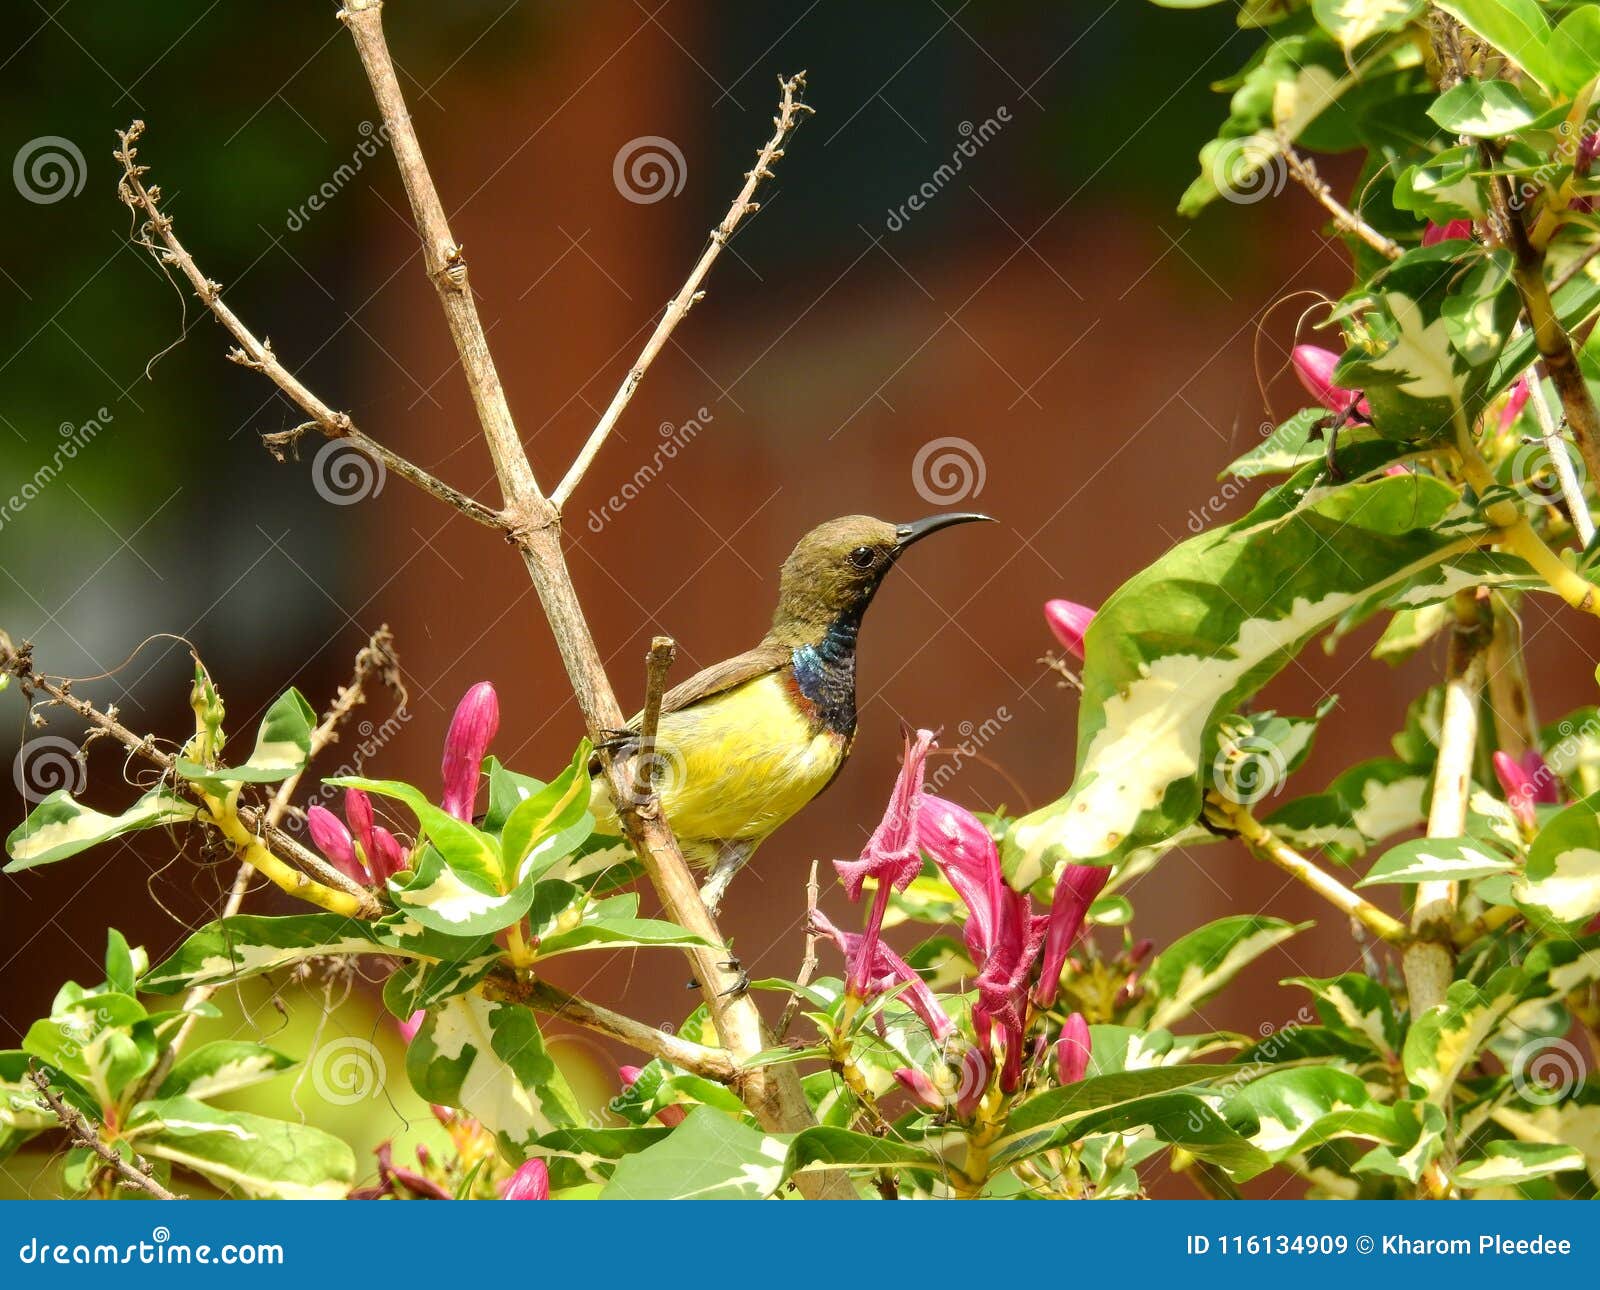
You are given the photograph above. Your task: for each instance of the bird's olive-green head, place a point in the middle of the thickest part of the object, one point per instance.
(834, 571)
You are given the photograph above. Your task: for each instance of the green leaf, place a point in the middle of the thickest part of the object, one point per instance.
(824, 1146)
(120, 970)
(1517, 28)
(1371, 801)
(489, 1059)
(1195, 967)
(420, 984)
(457, 903)
(246, 945)
(1358, 1006)
(1482, 109)
(1065, 1110)
(1436, 860)
(238, 1151)
(1184, 1120)
(609, 924)
(710, 1156)
(283, 743)
(1352, 22)
(1505, 1164)
(1561, 880)
(553, 810)
(1408, 631)
(1289, 447)
(60, 827)
(1182, 644)
(103, 1041)
(221, 1067)
(1286, 1112)
(1574, 48)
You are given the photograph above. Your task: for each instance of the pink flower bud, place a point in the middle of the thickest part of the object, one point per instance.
(358, 813)
(471, 730)
(1546, 787)
(1518, 786)
(388, 856)
(1072, 1050)
(334, 841)
(1436, 233)
(412, 1024)
(672, 1116)
(629, 1075)
(1315, 367)
(920, 1087)
(530, 1182)
(977, 1069)
(1069, 621)
(1516, 399)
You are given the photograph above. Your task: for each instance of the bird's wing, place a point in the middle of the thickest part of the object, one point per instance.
(766, 657)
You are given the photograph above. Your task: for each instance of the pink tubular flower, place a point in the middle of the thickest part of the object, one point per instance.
(1069, 621)
(1072, 1050)
(891, 857)
(884, 971)
(1436, 233)
(1076, 890)
(1516, 399)
(1525, 782)
(1315, 366)
(530, 1182)
(471, 730)
(965, 854)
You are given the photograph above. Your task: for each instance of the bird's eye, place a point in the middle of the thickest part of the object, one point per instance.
(862, 557)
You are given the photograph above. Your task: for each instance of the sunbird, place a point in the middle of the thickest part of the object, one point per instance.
(743, 745)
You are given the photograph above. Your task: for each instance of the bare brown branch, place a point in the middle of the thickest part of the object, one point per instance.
(257, 355)
(791, 111)
(135, 1173)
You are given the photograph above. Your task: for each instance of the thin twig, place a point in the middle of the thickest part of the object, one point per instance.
(17, 661)
(1556, 447)
(1267, 844)
(658, 662)
(135, 1173)
(791, 110)
(257, 355)
(808, 965)
(710, 1063)
(1305, 172)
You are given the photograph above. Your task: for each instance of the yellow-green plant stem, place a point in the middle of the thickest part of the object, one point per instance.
(1269, 846)
(224, 814)
(1515, 534)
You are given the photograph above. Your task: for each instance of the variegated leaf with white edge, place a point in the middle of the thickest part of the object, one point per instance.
(1561, 880)
(1505, 1164)
(283, 743)
(223, 1066)
(1436, 860)
(1443, 1040)
(239, 1151)
(1198, 965)
(1164, 663)
(1355, 1005)
(60, 826)
(489, 1059)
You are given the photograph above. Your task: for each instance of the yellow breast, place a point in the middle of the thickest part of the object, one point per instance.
(735, 767)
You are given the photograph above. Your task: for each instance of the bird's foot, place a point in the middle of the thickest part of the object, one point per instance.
(612, 741)
(739, 988)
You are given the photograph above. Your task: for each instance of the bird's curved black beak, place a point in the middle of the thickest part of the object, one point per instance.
(906, 534)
